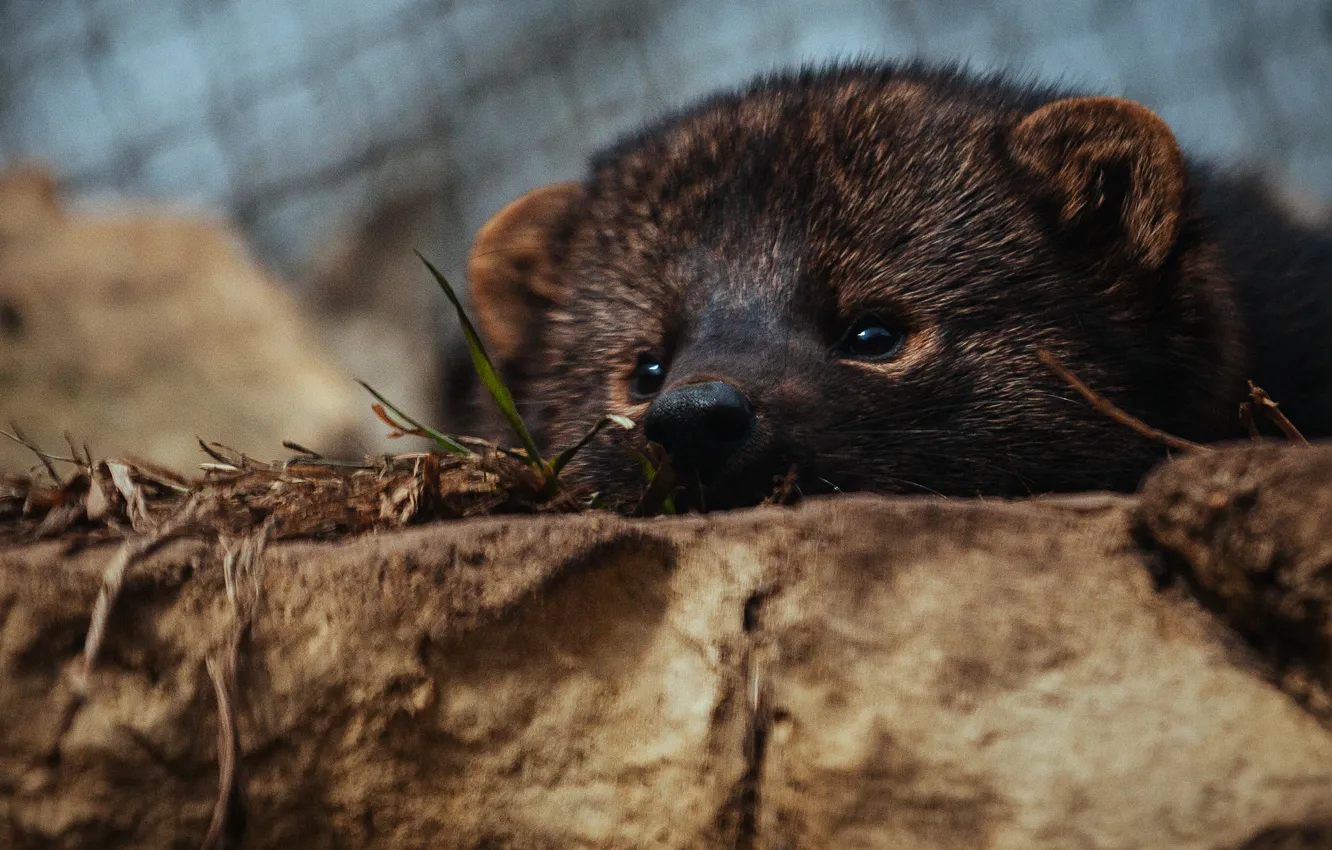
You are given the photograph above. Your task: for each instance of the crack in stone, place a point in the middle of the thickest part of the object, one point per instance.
(749, 799)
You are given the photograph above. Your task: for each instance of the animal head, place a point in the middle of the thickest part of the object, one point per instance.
(850, 271)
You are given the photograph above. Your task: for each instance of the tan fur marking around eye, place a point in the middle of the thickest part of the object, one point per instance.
(920, 345)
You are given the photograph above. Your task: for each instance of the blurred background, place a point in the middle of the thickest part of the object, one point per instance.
(326, 138)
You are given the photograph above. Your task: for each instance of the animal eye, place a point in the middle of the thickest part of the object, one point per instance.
(871, 338)
(648, 377)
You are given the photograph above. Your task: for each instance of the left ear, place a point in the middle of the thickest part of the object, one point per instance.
(1107, 164)
(509, 274)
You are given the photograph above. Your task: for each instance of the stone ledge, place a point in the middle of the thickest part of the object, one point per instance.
(854, 672)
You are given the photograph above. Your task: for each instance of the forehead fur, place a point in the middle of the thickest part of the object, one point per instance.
(837, 95)
(875, 167)
(845, 118)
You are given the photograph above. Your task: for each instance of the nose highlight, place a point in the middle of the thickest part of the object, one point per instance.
(700, 425)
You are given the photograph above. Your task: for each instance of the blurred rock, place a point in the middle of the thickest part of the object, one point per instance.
(138, 330)
(379, 313)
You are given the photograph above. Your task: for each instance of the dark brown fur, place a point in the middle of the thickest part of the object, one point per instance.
(738, 240)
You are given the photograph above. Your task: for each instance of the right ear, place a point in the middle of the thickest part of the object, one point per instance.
(1107, 161)
(509, 272)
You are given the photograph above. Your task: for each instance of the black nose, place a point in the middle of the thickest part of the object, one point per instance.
(700, 425)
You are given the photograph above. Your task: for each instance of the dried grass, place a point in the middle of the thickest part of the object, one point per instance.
(304, 497)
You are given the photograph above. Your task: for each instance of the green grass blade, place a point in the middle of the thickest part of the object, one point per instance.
(567, 455)
(490, 377)
(444, 441)
(658, 498)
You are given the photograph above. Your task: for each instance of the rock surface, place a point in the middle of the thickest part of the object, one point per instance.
(855, 672)
(1252, 532)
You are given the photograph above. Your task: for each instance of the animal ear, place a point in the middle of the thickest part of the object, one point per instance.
(509, 272)
(1109, 166)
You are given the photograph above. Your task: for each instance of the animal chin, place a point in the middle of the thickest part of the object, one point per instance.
(722, 496)
(740, 483)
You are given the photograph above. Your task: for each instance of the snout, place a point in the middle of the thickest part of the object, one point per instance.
(701, 426)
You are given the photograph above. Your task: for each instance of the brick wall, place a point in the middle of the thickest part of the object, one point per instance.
(295, 116)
